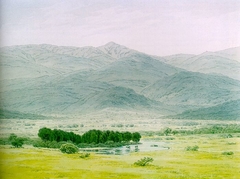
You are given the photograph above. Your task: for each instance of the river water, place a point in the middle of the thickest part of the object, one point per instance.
(144, 146)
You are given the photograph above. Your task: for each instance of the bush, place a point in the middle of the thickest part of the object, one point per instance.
(69, 148)
(144, 161)
(228, 153)
(48, 144)
(169, 138)
(84, 155)
(12, 137)
(193, 148)
(16, 141)
(167, 131)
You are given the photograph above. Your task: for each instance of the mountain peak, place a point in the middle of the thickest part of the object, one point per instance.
(110, 44)
(115, 50)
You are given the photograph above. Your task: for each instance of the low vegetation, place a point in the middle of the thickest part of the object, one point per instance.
(69, 148)
(212, 161)
(227, 153)
(48, 144)
(227, 131)
(144, 161)
(192, 148)
(16, 141)
(84, 155)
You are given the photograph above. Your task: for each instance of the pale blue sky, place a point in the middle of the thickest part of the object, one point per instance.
(157, 27)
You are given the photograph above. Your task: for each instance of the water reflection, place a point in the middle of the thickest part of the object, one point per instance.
(143, 147)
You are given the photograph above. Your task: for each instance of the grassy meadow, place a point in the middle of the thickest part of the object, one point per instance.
(175, 162)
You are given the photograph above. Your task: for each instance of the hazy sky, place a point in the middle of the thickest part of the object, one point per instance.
(157, 27)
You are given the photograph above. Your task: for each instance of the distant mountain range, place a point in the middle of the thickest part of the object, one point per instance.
(48, 80)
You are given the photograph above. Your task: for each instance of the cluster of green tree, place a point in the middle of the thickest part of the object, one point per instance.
(58, 135)
(97, 136)
(92, 136)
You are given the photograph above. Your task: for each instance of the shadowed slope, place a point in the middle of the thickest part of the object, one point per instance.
(226, 111)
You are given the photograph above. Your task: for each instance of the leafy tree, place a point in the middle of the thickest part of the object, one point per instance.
(16, 141)
(144, 161)
(111, 136)
(118, 137)
(127, 136)
(103, 137)
(136, 137)
(58, 135)
(46, 134)
(76, 139)
(90, 137)
(93, 137)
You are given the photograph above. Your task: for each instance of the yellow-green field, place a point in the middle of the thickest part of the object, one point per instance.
(208, 162)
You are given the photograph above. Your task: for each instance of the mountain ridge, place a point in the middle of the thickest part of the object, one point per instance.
(46, 79)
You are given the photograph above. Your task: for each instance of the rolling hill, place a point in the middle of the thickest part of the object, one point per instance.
(136, 72)
(224, 62)
(5, 114)
(193, 89)
(226, 111)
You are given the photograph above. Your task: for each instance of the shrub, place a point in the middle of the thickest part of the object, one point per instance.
(193, 148)
(69, 148)
(167, 131)
(170, 138)
(16, 141)
(12, 137)
(229, 136)
(84, 155)
(48, 144)
(119, 125)
(144, 161)
(228, 153)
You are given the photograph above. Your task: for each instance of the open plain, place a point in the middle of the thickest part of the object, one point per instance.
(174, 161)
(208, 162)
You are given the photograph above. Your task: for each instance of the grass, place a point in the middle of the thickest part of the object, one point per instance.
(208, 162)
